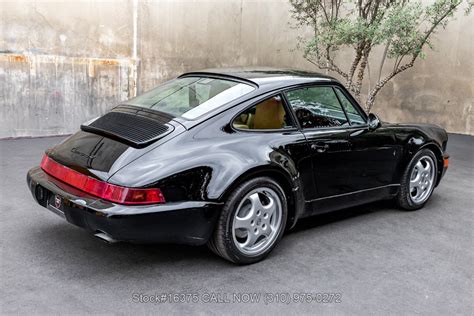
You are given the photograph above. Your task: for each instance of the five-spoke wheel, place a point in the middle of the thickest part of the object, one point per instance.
(418, 181)
(252, 221)
(257, 220)
(422, 179)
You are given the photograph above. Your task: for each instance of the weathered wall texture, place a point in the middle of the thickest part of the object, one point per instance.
(62, 63)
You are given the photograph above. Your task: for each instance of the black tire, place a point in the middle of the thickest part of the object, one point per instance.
(222, 241)
(403, 199)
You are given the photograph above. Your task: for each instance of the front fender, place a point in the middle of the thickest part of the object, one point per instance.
(413, 138)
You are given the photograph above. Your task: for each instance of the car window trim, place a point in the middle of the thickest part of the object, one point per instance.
(221, 77)
(333, 86)
(357, 108)
(290, 109)
(273, 130)
(335, 128)
(336, 85)
(342, 106)
(329, 85)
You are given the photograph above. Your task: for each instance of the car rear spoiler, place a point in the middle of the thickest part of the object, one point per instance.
(131, 125)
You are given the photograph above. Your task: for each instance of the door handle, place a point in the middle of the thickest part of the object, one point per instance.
(320, 147)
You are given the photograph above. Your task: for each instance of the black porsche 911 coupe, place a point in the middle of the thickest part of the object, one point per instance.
(233, 158)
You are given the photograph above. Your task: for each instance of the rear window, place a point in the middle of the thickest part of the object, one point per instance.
(191, 97)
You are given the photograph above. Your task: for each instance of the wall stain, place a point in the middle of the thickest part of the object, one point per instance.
(66, 62)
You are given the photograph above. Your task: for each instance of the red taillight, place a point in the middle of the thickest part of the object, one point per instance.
(104, 190)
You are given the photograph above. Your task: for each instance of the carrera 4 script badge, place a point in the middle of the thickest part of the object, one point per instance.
(76, 151)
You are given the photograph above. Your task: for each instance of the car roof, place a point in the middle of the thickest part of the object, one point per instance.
(265, 80)
(264, 76)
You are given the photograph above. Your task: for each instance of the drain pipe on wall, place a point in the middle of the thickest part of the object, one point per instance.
(133, 75)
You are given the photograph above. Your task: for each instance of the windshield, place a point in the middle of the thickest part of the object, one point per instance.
(191, 97)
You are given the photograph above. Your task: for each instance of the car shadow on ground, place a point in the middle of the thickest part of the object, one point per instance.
(341, 215)
(70, 245)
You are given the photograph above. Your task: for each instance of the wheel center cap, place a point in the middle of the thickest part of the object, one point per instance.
(259, 221)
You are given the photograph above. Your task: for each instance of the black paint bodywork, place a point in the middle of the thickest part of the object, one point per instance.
(199, 162)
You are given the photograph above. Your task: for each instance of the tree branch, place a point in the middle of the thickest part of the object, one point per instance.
(355, 63)
(384, 57)
(397, 68)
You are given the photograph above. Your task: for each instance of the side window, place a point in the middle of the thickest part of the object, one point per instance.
(317, 107)
(269, 114)
(354, 116)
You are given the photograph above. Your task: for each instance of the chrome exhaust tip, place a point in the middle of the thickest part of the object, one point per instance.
(105, 238)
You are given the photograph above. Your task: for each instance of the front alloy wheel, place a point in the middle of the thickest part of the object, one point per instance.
(422, 179)
(251, 223)
(418, 181)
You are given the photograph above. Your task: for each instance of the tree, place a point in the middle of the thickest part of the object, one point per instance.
(403, 28)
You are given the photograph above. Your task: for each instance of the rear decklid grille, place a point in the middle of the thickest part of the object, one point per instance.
(135, 127)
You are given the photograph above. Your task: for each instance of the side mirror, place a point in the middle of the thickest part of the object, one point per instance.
(374, 122)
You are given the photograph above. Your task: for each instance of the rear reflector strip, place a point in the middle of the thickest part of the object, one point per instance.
(101, 189)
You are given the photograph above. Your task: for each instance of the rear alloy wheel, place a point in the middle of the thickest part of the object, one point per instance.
(251, 223)
(418, 181)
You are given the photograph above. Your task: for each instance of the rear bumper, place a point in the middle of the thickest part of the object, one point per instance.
(178, 222)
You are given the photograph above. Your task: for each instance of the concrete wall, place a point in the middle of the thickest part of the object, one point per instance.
(62, 63)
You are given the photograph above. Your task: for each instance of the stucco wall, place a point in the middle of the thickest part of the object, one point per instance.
(62, 63)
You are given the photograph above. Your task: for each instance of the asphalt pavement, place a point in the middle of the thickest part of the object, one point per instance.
(373, 259)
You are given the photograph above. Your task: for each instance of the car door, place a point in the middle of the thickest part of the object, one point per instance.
(347, 159)
(271, 121)
(374, 153)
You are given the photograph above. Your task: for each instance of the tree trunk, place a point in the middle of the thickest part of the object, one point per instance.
(372, 95)
(360, 74)
(354, 65)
